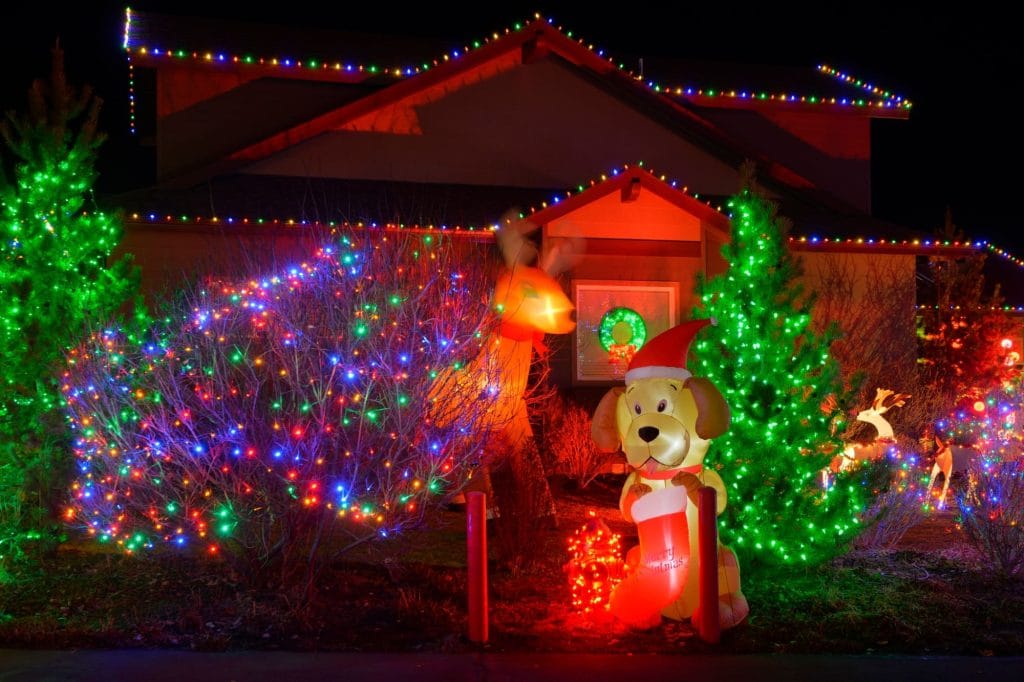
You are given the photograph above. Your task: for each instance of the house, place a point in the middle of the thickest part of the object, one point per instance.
(259, 131)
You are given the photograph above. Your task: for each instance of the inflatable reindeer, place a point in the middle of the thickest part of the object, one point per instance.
(530, 303)
(664, 421)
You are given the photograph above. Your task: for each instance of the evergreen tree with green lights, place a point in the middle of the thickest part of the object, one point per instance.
(775, 373)
(54, 277)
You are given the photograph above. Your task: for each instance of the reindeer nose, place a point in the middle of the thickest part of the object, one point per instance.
(648, 433)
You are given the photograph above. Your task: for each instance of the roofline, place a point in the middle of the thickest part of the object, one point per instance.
(537, 37)
(889, 105)
(883, 246)
(618, 182)
(805, 244)
(808, 244)
(532, 32)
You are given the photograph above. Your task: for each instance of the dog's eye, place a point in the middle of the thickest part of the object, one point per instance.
(662, 404)
(636, 408)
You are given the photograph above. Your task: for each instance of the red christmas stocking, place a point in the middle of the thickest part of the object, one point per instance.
(660, 576)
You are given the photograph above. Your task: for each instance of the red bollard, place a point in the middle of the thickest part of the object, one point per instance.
(709, 628)
(476, 564)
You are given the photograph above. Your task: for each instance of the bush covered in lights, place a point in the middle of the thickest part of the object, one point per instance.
(279, 420)
(992, 514)
(988, 421)
(774, 373)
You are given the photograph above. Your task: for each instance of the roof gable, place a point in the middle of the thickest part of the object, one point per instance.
(655, 209)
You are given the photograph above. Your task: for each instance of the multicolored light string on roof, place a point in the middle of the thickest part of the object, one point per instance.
(165, 218)
(897, 100)
(873, 241)
(803, 241)
(978, 245)
(353, 71)
(610, 175)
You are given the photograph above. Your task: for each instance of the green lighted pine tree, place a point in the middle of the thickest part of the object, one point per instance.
(774, 373)
(54, 277)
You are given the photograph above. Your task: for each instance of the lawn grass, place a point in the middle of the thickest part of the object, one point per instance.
(929, 597)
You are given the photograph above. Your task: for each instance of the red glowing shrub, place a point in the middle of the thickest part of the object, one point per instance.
(595, 565)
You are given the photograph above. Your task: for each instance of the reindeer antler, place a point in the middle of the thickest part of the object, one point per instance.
(515, 248)
(886, 399)
(563, 255)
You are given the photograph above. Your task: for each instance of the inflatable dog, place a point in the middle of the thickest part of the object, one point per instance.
(664, 421)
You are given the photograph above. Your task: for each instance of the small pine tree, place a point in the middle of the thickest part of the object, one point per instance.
(775, 373)
(54, 276)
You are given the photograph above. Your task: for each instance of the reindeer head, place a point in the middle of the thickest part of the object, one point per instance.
(883, 402)
(527, 295)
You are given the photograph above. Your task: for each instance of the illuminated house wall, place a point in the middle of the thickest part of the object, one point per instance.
(257, 123)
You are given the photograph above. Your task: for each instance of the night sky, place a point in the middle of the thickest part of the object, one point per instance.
(961, 147)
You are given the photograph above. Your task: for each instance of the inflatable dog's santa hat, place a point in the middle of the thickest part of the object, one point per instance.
(664, 356)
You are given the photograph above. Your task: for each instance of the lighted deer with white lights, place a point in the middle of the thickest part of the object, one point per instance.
(530, 303)
(873, 450)
(949, 461)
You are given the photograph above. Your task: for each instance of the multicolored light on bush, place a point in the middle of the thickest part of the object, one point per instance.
(284, 401)
(989, 423)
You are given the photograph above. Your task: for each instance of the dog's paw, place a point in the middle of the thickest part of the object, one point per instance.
(639, 489)
(687, 480)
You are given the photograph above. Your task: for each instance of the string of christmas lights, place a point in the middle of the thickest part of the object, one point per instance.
(800, 242)
(595, 564)
(988, 422)
(863, 85)
(355, 72)
(614, 173)
(153, 217)
(163, 218)
(1003, 308)
(873, 241)
(131, 69)
(267, 407)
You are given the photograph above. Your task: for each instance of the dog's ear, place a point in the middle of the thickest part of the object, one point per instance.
(603, 427)
(712, 412)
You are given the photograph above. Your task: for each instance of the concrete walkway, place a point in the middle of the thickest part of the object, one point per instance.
(183, 666)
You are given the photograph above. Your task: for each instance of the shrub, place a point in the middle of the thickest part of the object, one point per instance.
(569, 444)
(279, 421)
(992, 514)
(889, 517)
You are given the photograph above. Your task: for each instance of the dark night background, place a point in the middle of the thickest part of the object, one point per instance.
(961, 147)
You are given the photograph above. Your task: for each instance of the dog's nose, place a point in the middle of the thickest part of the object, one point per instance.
(648, 433)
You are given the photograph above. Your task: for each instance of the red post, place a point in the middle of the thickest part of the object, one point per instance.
(709, 628)
(476, 564)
